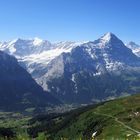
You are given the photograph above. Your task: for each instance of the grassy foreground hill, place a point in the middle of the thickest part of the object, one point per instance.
(113, 120)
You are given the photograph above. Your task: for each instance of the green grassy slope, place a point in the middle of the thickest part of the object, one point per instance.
(113, 120)
(118, 119)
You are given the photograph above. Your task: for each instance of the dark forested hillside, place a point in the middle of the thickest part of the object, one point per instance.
(18, 90)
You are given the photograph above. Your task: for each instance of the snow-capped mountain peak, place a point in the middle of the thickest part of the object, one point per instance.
(37, 41)
(107, 36)
(13, 41)
(134, 47)
(25, 47)
(108, 40)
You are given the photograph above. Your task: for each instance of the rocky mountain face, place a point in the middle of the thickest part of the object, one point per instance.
(18, 91)
(81, 72)
(93, 71)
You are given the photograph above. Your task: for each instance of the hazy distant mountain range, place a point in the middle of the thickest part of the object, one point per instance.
(75, 72)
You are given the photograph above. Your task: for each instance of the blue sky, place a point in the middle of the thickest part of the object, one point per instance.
(59, 20)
